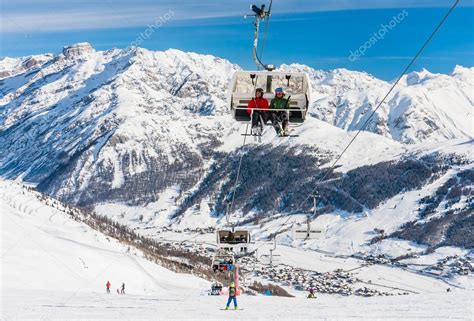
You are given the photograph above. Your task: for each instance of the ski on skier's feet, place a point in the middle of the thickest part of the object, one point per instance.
(286, 133)
(256, 137)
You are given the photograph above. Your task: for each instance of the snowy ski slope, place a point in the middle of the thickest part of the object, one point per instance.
(54, 268)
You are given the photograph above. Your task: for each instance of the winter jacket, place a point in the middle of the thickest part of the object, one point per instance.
(257, 103)
(108, 285)
(279, 103)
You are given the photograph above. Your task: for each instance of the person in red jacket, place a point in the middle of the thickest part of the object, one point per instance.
(108, 286)
(259, 117)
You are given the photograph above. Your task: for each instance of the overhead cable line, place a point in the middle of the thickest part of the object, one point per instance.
(412, 61)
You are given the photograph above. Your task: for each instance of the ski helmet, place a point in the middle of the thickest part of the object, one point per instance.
(279, 90)
(232, 285)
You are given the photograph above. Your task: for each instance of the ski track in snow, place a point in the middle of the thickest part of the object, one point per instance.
(48, 305)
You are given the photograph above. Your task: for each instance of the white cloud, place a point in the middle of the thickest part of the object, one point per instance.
(76, 20)
(55, 15)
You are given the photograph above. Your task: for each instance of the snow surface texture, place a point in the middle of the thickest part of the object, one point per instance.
(54, 268)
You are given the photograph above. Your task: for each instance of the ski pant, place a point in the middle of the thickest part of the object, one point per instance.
(259, 118)
(279, 116)
(232, 298)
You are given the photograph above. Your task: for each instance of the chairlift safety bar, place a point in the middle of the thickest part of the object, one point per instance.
(270, 109)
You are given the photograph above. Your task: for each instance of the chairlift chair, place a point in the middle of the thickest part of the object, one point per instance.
(216, 288)
(223, 261)
(307, 232)
(295, 84)
(243, 83)
(232, 237)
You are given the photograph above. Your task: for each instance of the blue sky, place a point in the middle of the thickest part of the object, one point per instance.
(322, 34)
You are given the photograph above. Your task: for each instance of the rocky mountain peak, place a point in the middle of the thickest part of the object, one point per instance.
(417, 77)
(77, 49)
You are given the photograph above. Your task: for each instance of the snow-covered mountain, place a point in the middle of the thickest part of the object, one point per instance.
(88, 117)
(424, 107)
(13, 66)
(144, 139)
(45, 248)
(137, 127)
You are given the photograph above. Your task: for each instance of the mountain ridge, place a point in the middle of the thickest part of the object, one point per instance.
(125, 125)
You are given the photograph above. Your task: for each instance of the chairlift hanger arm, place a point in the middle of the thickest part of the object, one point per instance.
(260, 14)
(256, 59)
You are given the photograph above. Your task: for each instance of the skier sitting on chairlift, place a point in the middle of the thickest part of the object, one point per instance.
(226, 265)
(279, 102)
(259, 117)
(230, 265)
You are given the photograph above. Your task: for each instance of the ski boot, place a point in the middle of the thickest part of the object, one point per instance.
(278, 131)
(257, 133)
